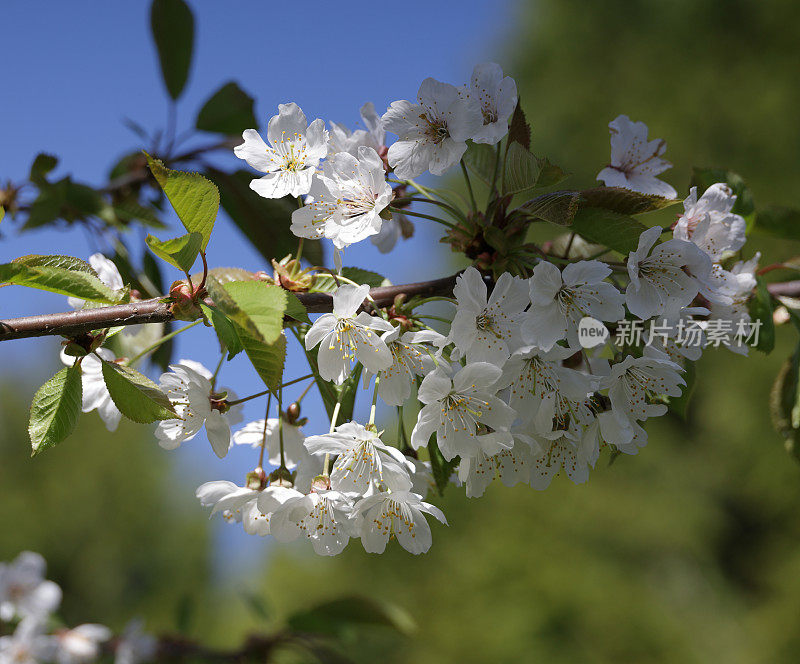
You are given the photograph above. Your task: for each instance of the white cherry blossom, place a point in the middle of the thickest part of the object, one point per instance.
(252, 434)
(497, 96)
(678, 333)
(501, 455)
(398, 514)
(433, 133)
(95, 393)
(344, 336)
(615, 429)
(24, 592)
(635, 161)
(633, 382)
(736, 313)
(486, 328)
(292, 156)
(533, 376)
(341, 139)
(243, 504)
(28, 644)
(658, 280)
(348, 198)
(81, 644)
(709, 222)
(362, 458)
(188, 386)
(108, 273)
(561, 452)
(324, 517)
(411, 357)
(456, 407)
(560, 299)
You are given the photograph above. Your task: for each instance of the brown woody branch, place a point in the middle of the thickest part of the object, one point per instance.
(74, 323)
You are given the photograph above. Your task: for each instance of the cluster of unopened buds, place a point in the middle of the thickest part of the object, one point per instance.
(512, 390)
(28, 602)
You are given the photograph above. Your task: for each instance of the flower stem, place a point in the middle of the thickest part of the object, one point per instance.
(269, 391)
(280, 426)
(434, 298)
(494, 175)
(413, 199)
(469, 186)
(216, 371)
(155, 345)
(334, 417)
(374, 400)
(422, 216)
(264, 438)
(305, 391)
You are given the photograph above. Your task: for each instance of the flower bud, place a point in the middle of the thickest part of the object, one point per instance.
(184, 305)
(281, 477)
(256, 479)
(291, 275)
(320, 483)
(293, 412)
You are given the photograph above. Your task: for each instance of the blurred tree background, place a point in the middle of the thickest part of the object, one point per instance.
(687, 553)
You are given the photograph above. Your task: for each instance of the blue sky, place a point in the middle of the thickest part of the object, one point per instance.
(80, 69)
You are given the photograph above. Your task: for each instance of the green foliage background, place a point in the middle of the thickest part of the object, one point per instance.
(689, 552)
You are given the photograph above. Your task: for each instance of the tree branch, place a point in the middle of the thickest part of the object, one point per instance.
(75, 323)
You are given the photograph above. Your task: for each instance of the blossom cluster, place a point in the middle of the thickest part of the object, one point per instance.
(508, 391)
(342, 174)
(28, 601)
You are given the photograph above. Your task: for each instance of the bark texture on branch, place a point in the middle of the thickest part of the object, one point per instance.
(74, 323)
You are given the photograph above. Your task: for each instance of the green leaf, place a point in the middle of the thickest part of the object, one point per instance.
(339, 615)
(624, 201)
(180, 252)
(550, 174)
(440, 467)
(225, 329)
(41, 166)
(295, 308)
(782, 222)
(172, 24)
(228, 111)
(481, 158)
(611, 229)
(136, 396)
(520, 131)
(267, 358)
(55, 261)
(193, 197)
(2, 213)
(55, 409)
(703, 178)
(257, 307)
(265, 222)
(326, 283)
(557, 207)
(65, 199)
(761, 309)
(57, 279)
(129, 210)
(522, 169)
